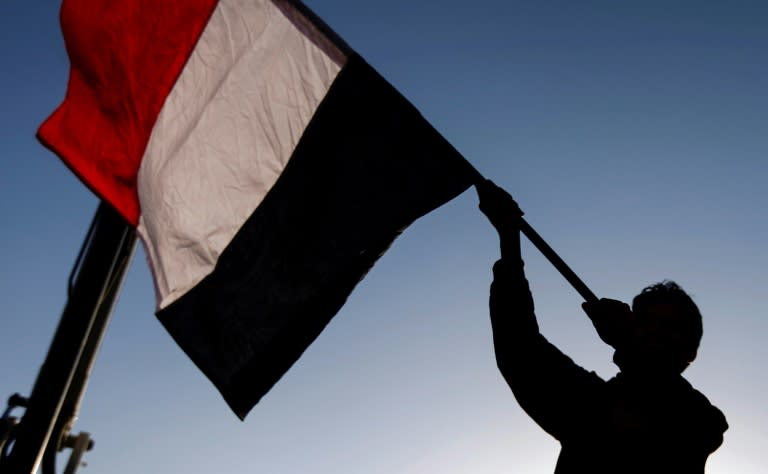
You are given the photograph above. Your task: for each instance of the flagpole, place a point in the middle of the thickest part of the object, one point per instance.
(558, 262)
(549, 253)
(62, 377)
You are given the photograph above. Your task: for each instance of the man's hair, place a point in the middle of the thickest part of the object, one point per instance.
(668, 292)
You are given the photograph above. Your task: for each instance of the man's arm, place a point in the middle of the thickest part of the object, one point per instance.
(549, 386)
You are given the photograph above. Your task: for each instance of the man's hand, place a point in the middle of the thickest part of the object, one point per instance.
(499, 207)
(612, 320)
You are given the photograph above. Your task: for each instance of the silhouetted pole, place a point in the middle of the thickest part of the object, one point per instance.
(70, 409)
(550, 254)
(558, 262)
(102, 265)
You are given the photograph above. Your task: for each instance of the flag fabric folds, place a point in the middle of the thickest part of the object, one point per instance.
(265, 165)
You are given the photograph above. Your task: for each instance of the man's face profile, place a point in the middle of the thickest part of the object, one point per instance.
(658, 335)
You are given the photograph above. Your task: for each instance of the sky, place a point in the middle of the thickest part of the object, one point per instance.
(633, 134)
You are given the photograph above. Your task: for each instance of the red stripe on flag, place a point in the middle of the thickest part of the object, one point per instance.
(125, 57)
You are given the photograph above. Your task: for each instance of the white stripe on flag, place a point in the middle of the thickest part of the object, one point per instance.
(249, 89)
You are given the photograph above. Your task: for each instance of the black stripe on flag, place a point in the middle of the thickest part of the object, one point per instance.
(367, 166)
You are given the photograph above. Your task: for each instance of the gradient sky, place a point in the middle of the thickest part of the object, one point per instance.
(635, 136)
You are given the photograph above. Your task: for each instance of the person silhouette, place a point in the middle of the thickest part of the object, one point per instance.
(646, 419)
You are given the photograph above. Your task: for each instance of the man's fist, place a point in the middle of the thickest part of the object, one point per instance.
(612, 319)
(502, 211)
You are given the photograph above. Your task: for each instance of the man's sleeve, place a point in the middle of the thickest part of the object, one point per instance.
(549, 386)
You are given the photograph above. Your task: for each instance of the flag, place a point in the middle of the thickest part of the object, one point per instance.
(265, 165)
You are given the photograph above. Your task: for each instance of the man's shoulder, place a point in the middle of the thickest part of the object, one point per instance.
(709, 412)
(707, 422)
(674, 401)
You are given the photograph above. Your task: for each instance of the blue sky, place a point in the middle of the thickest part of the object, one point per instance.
(633, 134)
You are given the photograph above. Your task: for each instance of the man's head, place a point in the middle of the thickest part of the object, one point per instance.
(666, 327)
